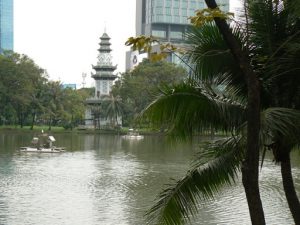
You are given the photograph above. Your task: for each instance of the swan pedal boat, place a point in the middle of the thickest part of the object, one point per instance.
(42, 150)
(133, 135)
(43, 144)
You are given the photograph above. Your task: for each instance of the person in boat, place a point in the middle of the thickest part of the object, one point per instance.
(42, 140)
(35, 142)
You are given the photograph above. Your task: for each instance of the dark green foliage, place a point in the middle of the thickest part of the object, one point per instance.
(140, 86)
(27, 96)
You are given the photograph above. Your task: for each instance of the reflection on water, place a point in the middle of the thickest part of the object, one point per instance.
(107, 180)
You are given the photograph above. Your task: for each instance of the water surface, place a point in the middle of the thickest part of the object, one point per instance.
(103, 180)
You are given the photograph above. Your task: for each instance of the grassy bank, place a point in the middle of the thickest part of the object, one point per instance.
(75, 130)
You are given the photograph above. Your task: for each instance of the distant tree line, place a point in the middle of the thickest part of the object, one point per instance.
(28, 97)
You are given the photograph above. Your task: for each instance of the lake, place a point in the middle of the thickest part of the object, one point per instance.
(107, 180)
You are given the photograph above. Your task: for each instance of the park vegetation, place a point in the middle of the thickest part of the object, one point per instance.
(29, 98)
(139, 87)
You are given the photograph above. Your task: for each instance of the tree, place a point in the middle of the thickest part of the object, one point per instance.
(21, 80)
(114, 109)
(251, 161)
(140, 86)
(53, 102)
(189, 108)
(169, 107)
(277, 38)
(27, 96)
(73, 107)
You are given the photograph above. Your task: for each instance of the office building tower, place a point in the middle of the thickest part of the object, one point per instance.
(6, 25)
(166, 20)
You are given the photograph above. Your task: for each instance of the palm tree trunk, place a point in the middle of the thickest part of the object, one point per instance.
(289, 189)
(251, 162)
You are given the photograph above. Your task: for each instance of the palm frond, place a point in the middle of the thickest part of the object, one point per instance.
(186, 108)
(214, 167)
(280, 122)
(211, 57)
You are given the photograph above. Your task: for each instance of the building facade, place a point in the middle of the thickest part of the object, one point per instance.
(6, 25)
(104, 77)
(167, 20)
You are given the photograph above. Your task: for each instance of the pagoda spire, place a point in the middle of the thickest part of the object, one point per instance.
(104, 68)
(104, 78)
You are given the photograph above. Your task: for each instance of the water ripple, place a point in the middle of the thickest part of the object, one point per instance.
(112, 182)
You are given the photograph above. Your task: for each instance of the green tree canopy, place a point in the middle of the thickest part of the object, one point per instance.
(140, 86)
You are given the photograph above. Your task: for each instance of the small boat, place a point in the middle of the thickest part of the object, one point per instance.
(42, 150)
(133, 135)
(42, 144)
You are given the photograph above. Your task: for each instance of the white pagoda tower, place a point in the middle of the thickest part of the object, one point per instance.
(104, 79)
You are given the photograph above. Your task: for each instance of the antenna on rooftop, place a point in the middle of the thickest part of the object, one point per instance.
(83, 79)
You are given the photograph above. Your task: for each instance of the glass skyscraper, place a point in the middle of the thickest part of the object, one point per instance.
(168, 19)
(6, 25)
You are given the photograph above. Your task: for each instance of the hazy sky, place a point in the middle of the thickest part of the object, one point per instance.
(62, 36)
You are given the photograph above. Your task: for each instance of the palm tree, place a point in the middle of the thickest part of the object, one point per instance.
(188, 108)
(195, 106)
(114, 109)
(276, 35)
(273, 43)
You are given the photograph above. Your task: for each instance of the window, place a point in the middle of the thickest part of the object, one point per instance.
(110, 85)
(176, 3)
(168, 3)
(175, 11)
(176, 35)
(169, 19)
(191, 12)
(159, 33)
(159, 18)
(176, 19)
(105, 87)
(159, 10)
(184, 20)
(168, 11)
(98, 85)
(201, 5)
(159, 3)
(193, 5)
(184, 4)
(183, 12)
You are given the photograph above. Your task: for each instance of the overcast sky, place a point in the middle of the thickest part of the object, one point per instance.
(62, 36)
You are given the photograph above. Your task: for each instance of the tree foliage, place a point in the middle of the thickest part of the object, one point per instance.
(27, 96)
(139, 87)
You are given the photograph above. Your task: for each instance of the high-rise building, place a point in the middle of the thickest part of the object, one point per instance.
(166, 20)
(6, 25)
